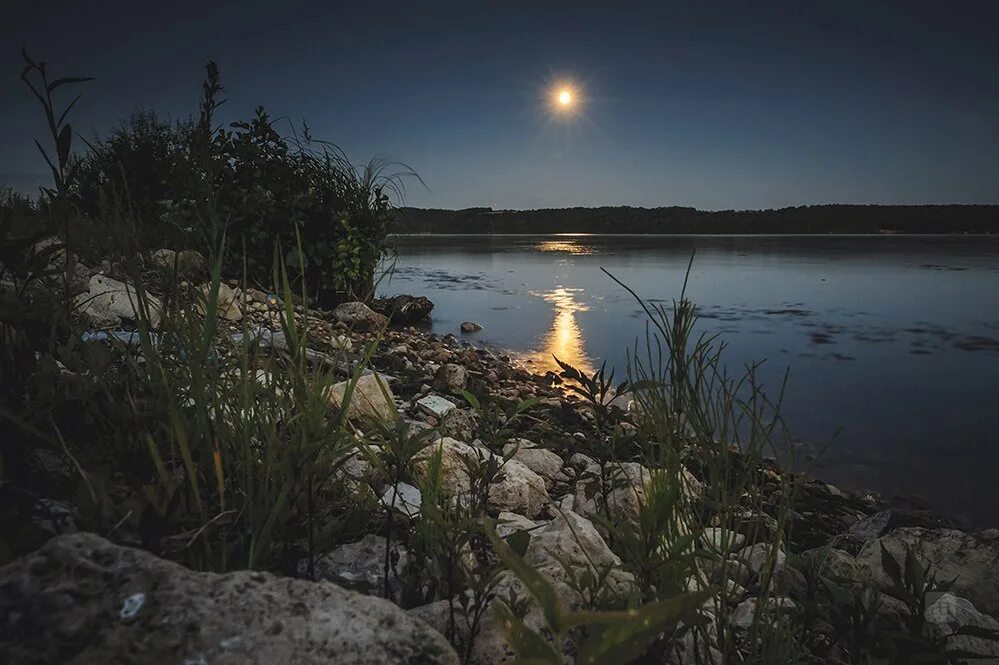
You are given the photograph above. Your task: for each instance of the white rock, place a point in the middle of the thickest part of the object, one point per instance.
(227, 305)
(435, 405)
(407, 499)
(107, 301)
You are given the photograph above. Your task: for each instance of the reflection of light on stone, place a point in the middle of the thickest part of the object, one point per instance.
(564, 339)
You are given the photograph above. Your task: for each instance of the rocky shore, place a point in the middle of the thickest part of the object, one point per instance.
(85, 598)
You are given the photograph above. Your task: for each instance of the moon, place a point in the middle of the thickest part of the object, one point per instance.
(565, 97)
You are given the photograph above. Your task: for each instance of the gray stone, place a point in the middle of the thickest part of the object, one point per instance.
(871, 527)
(510, 523)
(451, 376)
(970, 559)
(470, 327)
(80, 599)
(371, 398)
(359, 316)
(360, 565)
(541, 461)
(946, 613)
(759, 556)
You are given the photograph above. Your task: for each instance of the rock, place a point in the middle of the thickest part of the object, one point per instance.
(227, 304)
(568, 542)
(371, 398)
(81, 599)
(510, 523)
(470, 327)
(517, 490)
(946, 613)
(627, 480)
(407, 499)
(459, 424)
(744, 613)
(360, 566)
(722, 541)
(107, 302)
(870, 527)
(404, 310)
(833, 562)
(435, 406)
(758, 557)
(359, 316)
(451, 377)
(970, 559)
(189, 264)
(541, 461)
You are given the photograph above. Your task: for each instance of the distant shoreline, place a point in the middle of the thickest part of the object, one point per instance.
(871, 220)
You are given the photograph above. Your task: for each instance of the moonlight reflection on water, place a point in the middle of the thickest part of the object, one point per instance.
(564, 339)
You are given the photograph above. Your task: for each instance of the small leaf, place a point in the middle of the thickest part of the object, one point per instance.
(891, 568)
(70, 79)
(64, 143)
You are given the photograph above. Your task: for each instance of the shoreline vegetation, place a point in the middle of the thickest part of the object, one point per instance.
(675, 220)
(213, 449)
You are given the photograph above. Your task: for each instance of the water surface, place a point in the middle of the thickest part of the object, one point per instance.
(893, 341)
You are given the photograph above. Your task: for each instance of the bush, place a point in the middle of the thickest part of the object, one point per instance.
(260, 187)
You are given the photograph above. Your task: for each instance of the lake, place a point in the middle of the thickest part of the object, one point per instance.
(891, 341)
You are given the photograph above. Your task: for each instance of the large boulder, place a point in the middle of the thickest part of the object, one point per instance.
(371, 398)
(359, 316)
(517, 490)
(946, 614)
(107, 302)
(404, 310)
(970, 559)
(81, 599)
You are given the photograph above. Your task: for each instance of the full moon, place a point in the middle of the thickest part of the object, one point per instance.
(565, 97)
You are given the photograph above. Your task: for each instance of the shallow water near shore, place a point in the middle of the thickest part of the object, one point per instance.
(891, 340)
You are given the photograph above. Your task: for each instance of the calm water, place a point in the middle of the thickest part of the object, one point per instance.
(893, 341)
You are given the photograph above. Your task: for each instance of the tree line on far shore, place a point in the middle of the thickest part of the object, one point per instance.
(936, 219)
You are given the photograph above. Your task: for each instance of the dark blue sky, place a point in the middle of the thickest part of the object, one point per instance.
(718, 105)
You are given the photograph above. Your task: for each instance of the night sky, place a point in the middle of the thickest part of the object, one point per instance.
(723, 105)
